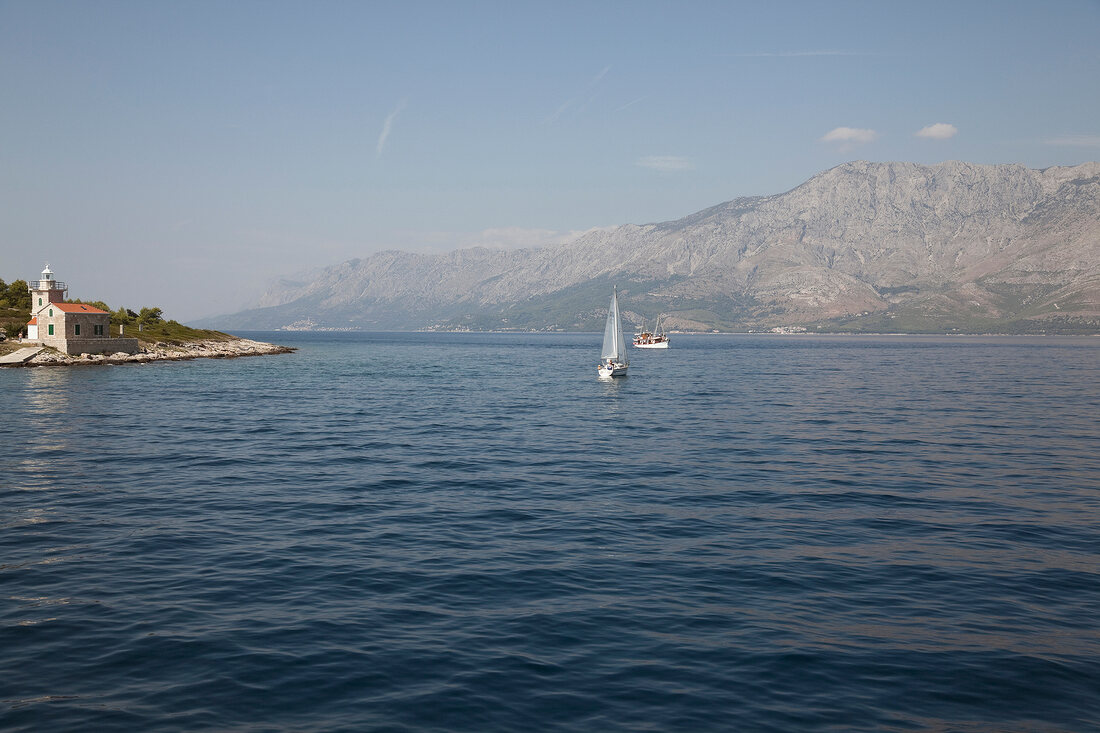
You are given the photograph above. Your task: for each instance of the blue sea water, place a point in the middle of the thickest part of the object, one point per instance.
(471, 532)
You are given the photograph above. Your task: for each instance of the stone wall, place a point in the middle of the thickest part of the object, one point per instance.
(98, 345)
(87, 323)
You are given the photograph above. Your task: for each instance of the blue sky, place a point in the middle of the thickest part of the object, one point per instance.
(184, 154)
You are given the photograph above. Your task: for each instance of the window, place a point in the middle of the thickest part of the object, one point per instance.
(40, 301)
(51, 329)
(76, 329)
(51, 312)
(97, 330)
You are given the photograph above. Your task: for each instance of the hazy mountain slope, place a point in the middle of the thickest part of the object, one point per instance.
(865, 246)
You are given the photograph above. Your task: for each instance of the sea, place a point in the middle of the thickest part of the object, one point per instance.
(472, 532)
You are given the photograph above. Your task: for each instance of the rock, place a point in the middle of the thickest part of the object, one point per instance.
(221, 349)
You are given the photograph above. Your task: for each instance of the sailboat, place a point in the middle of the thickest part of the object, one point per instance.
(655, 339)
(614, 356)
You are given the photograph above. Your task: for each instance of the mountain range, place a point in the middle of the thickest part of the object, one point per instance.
(864, 247)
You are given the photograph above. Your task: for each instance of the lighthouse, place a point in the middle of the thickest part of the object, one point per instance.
(71, 328)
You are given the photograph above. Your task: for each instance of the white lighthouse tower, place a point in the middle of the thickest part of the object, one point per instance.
(47, 290)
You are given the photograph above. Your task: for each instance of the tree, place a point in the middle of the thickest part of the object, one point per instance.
(150, 315)
(19, 295)
(123, 316)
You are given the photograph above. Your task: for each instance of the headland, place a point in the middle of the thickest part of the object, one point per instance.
(222, 347)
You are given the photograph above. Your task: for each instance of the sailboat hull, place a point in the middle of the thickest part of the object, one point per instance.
(657, 345)
(619, 370)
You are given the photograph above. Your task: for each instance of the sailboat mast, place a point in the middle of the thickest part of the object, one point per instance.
(621, 342)
(615, 310)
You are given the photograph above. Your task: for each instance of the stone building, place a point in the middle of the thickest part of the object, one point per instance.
(73, 328)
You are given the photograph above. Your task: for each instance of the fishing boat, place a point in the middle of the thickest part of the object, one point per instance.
(614, 359)
(655, 339)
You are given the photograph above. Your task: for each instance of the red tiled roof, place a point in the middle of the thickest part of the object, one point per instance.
(76, 308)
(33, 321)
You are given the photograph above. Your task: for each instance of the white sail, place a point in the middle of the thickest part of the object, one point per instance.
(614, 345)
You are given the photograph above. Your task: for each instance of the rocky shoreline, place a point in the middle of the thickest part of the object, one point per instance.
(210, 349)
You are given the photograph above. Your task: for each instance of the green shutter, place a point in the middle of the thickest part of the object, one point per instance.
(51, 329)
(76, 329)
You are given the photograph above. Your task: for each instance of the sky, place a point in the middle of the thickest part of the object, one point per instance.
(186, 154)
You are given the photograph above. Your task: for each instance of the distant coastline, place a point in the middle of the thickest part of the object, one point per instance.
(770, 332)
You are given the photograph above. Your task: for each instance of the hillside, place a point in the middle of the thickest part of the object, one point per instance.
(861, 247)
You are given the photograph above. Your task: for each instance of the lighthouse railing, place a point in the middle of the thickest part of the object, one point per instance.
(47, 285)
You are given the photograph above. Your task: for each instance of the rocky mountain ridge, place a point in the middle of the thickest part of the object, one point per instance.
(863, 246)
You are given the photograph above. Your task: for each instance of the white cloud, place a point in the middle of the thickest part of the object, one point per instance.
(938, 131)
(799, 54)
(388, 125)
(496, 238)
(665, 163)
(580, 101)
(519, 237)
(849, 135)
(1076, 141)
(561, 110)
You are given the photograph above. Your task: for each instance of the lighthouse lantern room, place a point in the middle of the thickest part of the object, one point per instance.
(47, 289)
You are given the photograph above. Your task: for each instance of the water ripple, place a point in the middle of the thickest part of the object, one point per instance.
(747, 533)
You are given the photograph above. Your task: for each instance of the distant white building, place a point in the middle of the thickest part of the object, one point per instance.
(74, 328)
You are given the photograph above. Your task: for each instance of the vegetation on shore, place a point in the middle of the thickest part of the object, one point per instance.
(149, 327)
(15, 309)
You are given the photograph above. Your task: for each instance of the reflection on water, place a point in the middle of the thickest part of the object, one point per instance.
(48, 425)
(47, 389)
